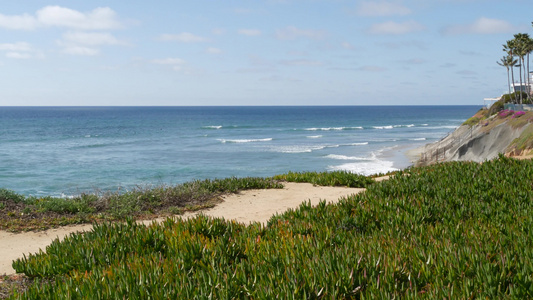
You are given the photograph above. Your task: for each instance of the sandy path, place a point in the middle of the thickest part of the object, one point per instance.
(248, 206)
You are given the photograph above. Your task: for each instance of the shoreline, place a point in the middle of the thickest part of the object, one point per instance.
(403, 156)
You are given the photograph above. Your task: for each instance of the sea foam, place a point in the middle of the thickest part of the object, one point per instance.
(239, 141)
(366, 168)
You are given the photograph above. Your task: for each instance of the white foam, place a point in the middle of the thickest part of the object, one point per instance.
(238, 141)
(384, 127)
(418, 139)
(366, 168)
(345, 157)
(325, 129)
(404, 126)
(213, 127)
(358, 144)
(314, 136)
(298, 149)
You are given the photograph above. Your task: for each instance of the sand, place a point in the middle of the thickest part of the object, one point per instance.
(246, 207)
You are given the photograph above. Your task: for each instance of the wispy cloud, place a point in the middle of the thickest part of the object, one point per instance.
(184, 37)
(81, 50)
(481, 26)
(301, 62)
(20, 46)
(292, 33)
(176, 63)
(381, 8)
(396, 28)
(250, 32)
(21, 22)
(404, 44)
(414, 61)
(349, 46)
(18, 55)
(371, 69)
(87, 43)
(213, 50)
(92, 38)
(20, 50)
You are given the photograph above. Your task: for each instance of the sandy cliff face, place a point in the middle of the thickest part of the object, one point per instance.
(468, 143)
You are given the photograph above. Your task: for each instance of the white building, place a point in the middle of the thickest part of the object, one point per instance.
(517, 86)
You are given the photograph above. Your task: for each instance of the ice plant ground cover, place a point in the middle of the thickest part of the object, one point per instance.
(518, 114)
(505, 113)
(453, 230)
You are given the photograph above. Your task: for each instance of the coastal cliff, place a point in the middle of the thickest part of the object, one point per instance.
(483, 137)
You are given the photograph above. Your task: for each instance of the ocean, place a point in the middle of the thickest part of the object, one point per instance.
(64, 151)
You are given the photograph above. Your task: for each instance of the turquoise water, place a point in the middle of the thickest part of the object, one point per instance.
(68, 150)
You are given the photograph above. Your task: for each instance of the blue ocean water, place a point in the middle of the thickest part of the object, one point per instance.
(68, 150)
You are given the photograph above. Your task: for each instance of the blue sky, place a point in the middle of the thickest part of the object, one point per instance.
(284, 52)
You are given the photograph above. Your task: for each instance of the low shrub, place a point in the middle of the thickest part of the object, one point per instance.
(457, 230)
(472, 121)
(18, 212)
(496, 107)
(335, 178)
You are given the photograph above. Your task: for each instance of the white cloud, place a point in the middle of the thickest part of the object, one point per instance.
(20, 50)
(169, 61)
(301, 62)
(75, 43)
(292, 33)
(91, 38)
(481, 26)
(20, 46)
(250, 32)
(22, 22)
(18, 55)
(212, 50)
(347, 45)
(371, 69)
(184, 37)
(218, 31)
(86, 43)
(404, 44)
(98, 19)
(176, 63)
(80, 50)
(414, 61)
(382, 8)
(396, 28)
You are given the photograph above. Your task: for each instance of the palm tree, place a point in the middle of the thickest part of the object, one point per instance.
(508, 62)
(509, 48)
(522, 49)
(529, 49)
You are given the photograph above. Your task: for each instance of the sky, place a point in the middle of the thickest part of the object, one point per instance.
(271, 52)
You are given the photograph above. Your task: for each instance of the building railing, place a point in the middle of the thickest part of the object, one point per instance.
(440, 153)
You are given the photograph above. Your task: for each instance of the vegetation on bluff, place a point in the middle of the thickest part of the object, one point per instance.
(20, 213)
(451, 230)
